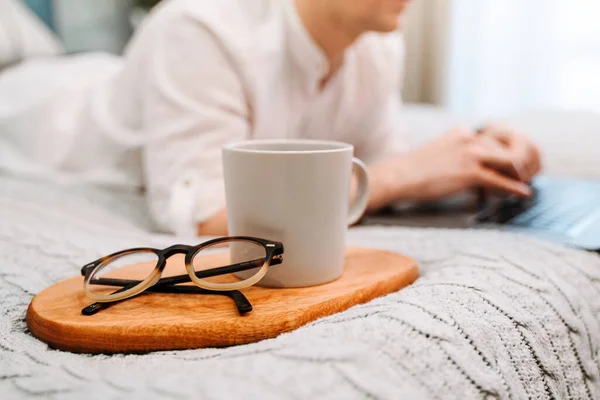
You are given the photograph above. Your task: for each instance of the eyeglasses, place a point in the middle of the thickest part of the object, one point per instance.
(220, 266)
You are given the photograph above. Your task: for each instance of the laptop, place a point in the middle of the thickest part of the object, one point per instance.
(564, 210)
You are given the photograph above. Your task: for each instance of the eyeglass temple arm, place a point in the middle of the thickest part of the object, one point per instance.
(95, 307)
(241, 302)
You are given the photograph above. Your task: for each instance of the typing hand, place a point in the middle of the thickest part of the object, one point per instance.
(456, 162)
(522, 150)
(453, 163)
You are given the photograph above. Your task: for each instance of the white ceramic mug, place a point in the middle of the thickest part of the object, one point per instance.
(296, 192)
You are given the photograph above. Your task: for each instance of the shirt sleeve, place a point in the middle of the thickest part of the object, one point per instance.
(384, 136)
(193, 105)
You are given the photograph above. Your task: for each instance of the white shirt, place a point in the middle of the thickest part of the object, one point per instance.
(196, 76)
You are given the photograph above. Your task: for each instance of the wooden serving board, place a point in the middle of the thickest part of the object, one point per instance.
(163, 321)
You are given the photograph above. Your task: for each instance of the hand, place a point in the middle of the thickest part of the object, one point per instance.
(524, 152)
(451, 164)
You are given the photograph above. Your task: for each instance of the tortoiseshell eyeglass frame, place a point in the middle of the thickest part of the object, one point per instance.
(154, 283)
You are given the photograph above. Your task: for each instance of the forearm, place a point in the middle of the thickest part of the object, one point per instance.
(381, 188)
(388, 185)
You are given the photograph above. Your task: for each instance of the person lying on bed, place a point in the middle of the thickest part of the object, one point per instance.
(200, 74)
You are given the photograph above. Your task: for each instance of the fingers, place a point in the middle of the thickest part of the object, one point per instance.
(499, 133)
(497, 157)
(529, 157)
(534, 162)
(493, 180)
(525, 154)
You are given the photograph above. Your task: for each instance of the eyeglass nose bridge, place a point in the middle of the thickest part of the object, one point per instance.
(176, 249)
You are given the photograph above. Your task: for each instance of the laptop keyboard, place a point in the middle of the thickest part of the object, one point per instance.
(564, 210)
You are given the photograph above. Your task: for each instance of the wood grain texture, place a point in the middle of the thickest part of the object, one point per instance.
(162, 321)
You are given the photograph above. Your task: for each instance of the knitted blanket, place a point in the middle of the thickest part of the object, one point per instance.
(493, 315)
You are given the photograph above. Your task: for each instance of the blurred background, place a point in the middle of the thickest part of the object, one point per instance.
(475, 57)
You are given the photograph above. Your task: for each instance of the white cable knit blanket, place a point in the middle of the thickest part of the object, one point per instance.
(492, 316)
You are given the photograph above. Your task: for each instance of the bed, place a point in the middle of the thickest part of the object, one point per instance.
(493, 315)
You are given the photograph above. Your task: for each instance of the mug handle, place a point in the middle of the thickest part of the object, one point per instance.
(361, 199)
